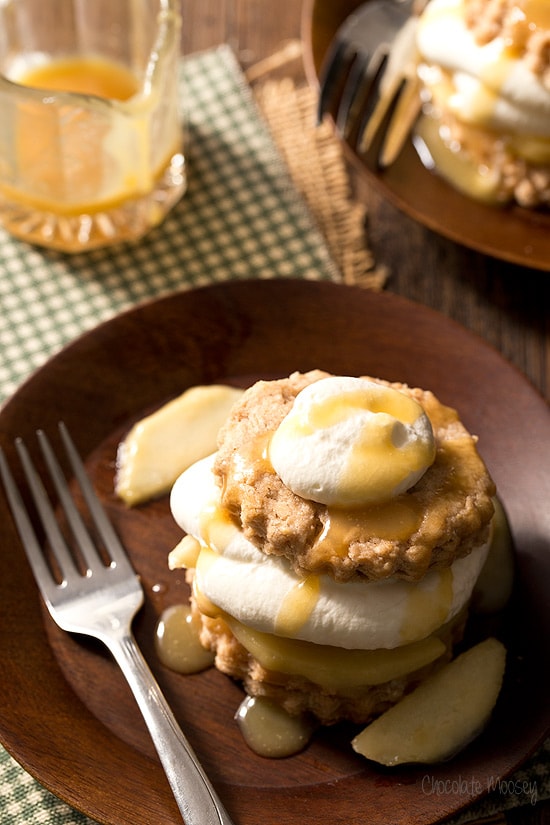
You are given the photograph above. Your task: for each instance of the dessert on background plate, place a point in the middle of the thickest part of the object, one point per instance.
(333, 543)
(485, 69)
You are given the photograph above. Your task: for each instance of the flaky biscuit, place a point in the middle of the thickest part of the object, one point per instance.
(454, 495)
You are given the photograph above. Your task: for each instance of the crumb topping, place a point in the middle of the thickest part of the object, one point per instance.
(489, 19)
(526, 183)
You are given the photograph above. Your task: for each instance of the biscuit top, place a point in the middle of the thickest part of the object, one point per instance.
(443, 516)
(348, 442)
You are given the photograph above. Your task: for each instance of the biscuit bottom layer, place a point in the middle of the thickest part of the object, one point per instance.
(331, 683)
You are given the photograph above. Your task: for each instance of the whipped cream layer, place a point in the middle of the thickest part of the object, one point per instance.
(491, 87)
(348, 442)
(263, 592)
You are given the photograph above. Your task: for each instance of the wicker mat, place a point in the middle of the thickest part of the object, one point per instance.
(316, 162)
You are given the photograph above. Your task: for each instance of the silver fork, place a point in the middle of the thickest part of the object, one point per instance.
(102, 603)
(370, 89)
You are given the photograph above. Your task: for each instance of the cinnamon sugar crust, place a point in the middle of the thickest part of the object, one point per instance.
(453, 498)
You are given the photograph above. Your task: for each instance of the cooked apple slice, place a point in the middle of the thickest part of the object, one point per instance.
(161, 446)
(442, 715)
(335, 668)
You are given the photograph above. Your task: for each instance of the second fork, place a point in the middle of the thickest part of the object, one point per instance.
(365, 82)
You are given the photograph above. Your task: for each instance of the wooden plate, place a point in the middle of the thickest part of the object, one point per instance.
(512, 234)
(67, 714)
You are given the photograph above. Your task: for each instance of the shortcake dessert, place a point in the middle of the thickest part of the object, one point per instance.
(485, 69)
(334, 540)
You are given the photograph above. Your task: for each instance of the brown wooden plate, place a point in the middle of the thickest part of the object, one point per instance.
(66, 713)
(513, 234)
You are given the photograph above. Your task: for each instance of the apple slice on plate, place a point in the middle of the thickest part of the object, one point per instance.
(164, 444)
(442, 715)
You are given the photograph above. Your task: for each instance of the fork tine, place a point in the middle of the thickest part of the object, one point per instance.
(368, 95)
(406, 111)
(105, 528)
(354, 84)
(376, 121)
(85, 544)
(40, 568)
(330, 79)
(63, 556)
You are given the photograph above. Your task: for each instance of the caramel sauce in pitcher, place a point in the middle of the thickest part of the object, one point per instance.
(83, 75)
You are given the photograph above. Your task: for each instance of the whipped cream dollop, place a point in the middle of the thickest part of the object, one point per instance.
(348, 442)
(264, 593)
(490, 86)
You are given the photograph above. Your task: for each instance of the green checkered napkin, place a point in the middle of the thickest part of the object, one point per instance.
(241, 218)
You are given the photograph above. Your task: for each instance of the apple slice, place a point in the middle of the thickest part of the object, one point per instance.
(164, 444)
(442, 715)
(335, 668)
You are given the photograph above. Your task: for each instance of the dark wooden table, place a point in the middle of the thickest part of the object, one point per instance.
(506, 304)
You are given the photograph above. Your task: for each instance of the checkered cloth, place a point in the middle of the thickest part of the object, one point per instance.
(241, 218)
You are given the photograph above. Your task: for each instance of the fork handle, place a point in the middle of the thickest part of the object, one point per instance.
(196, 798)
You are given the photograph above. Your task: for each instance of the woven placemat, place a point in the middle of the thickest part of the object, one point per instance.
(317, 165)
